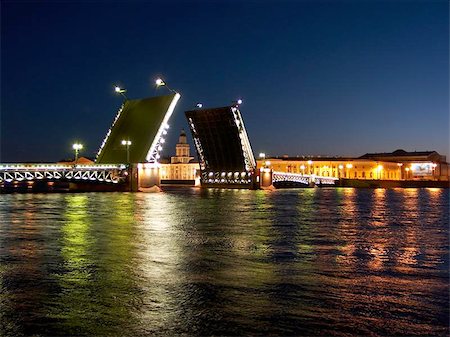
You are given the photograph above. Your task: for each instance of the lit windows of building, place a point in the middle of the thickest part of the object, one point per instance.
(182, 169)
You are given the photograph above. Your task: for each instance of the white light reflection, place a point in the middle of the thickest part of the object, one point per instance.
(160, 256)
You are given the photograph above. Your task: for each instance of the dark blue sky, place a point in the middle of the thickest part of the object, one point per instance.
(316, 77)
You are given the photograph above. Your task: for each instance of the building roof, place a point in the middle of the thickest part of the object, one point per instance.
(399, 153)
(402, 155)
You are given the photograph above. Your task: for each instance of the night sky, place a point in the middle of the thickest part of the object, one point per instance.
(317, 78)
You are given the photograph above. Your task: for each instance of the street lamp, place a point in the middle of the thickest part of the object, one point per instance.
(400, 169)
(309, 166)
(199, 105)
(379, 169)
(127, 144)
(77, 147)
(340, 167)
(302, 167)
(347, 172)
(434, 169)
(120, 91)
(160, 83)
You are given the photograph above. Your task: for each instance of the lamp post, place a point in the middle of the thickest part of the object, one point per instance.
(309, 166)
(127, 144)
(340, 167)
(379, 169)
(348, 166)
(434, 170)
(302, 167)
(160, 83)
(77, 147)
(400, 169)
(121, 91)
(237, 102)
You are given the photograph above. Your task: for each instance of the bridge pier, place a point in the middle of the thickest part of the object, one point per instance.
(145, 178)
(265, 178)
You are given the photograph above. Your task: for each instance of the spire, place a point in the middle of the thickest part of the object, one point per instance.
(182, 139)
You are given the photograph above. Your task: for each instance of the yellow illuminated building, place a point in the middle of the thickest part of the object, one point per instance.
(181, 167)
(338, 168)
(398, 165)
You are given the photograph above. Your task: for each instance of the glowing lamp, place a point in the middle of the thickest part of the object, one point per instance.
(120, 91)
(77, 146)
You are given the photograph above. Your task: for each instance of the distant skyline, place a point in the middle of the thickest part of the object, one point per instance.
(330, 78)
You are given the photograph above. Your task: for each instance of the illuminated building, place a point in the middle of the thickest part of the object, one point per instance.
(398, 165)
(348, 168)
(181, 169)
(424, 165)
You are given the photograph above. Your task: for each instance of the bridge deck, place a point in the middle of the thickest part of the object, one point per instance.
(29, 172)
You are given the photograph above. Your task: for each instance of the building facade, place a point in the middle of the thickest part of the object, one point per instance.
(398, 165)
(182, 168)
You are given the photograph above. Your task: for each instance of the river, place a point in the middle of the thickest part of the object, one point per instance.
(319, 261)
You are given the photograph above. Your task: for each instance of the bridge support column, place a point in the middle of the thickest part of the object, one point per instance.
(265, 178)
(133, 174)
(148, 177)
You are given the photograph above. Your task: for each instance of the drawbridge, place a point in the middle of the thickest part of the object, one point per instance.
(223, 147)
(140, 124)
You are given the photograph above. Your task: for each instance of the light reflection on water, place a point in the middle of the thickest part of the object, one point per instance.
(225, 262)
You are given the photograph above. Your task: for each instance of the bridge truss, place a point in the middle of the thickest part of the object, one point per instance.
(305, 179)
(31, 172)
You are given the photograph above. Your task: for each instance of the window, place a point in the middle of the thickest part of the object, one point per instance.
(356, 175)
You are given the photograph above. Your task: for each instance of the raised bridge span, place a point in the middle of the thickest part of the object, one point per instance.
(223, 147)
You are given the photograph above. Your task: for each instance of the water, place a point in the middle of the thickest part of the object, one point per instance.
(226, 262)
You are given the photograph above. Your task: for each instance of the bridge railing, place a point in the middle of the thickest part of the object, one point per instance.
(235, 178)
(305, 179)
(30, 172)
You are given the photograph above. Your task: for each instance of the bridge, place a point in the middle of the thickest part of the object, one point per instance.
(223, 147)
(283, 179)
(143, 123)
(51, 172)
(44, 176)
